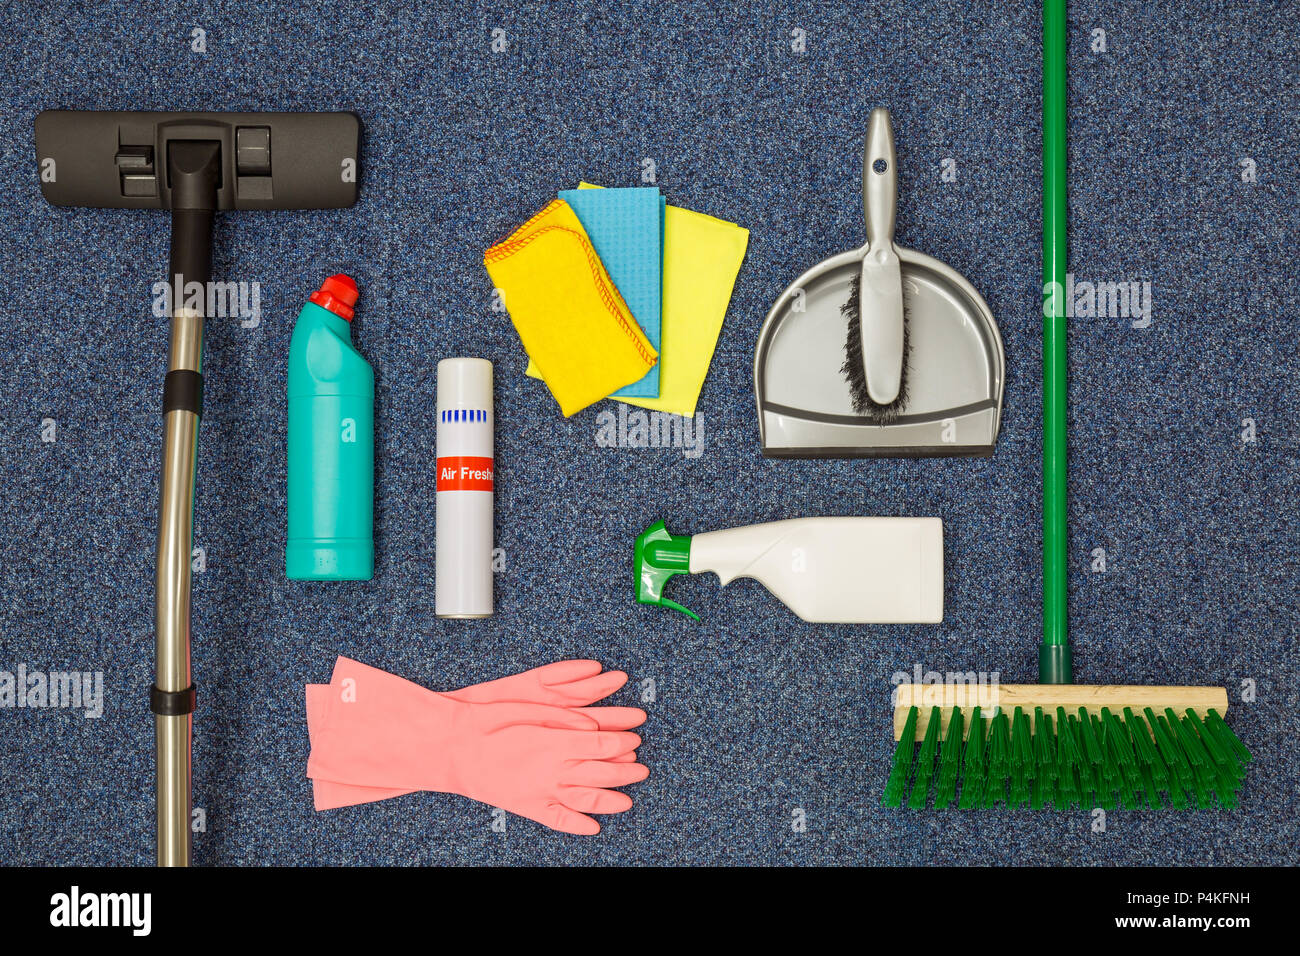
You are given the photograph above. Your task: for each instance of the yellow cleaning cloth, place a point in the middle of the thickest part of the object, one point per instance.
(574, 324)
(702, 256)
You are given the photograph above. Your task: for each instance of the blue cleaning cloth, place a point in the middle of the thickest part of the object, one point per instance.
(626, 228)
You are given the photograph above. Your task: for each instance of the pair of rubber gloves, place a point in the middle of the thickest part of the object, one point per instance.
(531, 744)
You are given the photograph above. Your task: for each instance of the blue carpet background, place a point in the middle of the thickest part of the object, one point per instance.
(755, 714)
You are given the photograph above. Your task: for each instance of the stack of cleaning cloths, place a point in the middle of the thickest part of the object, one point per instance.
(530, 744)
(616, 294)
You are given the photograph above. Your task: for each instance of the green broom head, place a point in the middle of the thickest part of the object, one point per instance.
(1053, 758)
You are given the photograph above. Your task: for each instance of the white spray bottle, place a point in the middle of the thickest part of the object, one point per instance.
(826, 570)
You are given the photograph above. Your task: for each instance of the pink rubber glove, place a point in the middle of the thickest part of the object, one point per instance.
(549, 764)
(575, 683)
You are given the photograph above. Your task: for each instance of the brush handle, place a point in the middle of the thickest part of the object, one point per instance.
(879, 186)
(880, 303)
(1054, 666)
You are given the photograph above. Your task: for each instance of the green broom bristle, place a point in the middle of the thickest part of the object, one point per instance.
(1045, 762)
(1227, 772)
(972, 784)
(1150, 791)
(1107, 759)
(1133, 791)
(1132, 794)
(1233, 742)
(1121, 742)
(1091, 745)
(1044, 745)
(1089, 788)
(1170, 750)
(1150, 767)
(925, 762)
(998, 761)
(1022, 758)
(902, 766)
(950, 762)
(1067, 764)
(1202, 775)
(1108, 775)
(1148, 758)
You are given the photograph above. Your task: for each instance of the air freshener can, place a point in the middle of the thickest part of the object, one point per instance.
(463, 568)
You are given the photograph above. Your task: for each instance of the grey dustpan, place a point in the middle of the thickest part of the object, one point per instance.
(953, 373)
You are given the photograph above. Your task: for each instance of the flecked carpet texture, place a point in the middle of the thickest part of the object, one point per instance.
(768, 739)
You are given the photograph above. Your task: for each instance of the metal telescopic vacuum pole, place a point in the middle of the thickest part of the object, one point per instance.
(193, 167)
(172, 673)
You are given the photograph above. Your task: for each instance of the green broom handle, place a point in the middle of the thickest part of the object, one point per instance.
(1054, 655)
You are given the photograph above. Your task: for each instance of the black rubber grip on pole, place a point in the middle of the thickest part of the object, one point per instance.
(172, 703)
(183, 391)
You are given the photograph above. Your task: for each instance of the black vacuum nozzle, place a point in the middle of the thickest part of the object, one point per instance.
(125, 160)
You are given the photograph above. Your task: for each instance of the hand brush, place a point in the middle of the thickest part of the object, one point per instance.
(876, 344)
(1058, 743)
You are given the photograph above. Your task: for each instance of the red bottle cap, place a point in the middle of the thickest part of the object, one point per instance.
(339, 294)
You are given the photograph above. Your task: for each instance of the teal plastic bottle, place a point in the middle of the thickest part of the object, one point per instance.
(331, 443)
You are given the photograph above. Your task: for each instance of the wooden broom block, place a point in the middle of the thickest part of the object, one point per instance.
(1049, 697)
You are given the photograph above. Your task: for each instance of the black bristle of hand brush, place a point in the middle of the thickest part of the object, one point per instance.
(852, 367)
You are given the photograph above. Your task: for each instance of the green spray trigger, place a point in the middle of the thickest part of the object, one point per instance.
(657, 556)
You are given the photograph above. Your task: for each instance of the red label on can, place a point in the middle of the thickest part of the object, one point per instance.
(464, 473)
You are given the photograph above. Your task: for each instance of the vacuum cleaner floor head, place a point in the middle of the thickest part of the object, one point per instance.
(118, 159)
